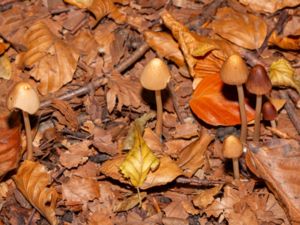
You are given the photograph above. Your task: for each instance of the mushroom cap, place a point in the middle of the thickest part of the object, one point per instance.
(258, 81)
(155, 75)
(23, 97)
(232, 147)
(269, 111)
(234, 70)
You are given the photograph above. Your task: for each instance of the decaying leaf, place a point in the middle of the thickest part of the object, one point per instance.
(278, 164)
(165, 46)
(269, 6)
(216, 103)
(54, 61)
(3, 46)
(206, 197)
(245, 30)
(5, 67)
(33, 179)
(139, 161)
(129, 203)
(289, 43)
(283, 74)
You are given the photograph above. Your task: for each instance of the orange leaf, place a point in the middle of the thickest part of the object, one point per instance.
(269, 6)
(210, 103)
(290, 43)
(245, 30)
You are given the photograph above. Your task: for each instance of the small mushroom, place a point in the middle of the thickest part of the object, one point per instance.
(258, 83)
(235, 72)
(233, 149)
(155, 77)
(269, 113)
(25, 98)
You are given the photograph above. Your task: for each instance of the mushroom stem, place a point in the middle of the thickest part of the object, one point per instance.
(257, 118)
(273, 123)
(28, 135)
(243, 136)
(236, 171)
(159, 115)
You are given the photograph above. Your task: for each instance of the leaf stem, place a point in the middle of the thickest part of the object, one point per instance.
(139, 196)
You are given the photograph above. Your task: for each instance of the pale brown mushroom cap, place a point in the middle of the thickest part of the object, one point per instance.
(23, 97)
(155, 75)
(232, 147)
(234, 70)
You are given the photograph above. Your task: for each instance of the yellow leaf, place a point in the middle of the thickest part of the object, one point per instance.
(5, 67)
(283, 74)
(245, 30)
(138, 161)
(32, 179)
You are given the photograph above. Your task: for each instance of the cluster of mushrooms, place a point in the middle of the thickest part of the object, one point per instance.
(234, 71)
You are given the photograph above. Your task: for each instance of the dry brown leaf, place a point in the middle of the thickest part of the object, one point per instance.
(284, 42)
(269, 6)
(278, 164)
(206, 197)
(129, 202)
(33, 180)
(5, 67)
(192, 157)
(77, 191)
(245, 30)
(54, 61)
(123, 91)
(3, 46)
(165, 46)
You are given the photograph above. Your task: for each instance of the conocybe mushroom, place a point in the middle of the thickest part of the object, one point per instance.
(155, 77)
(258, 83)
(233, 149)
(269, 113)
(235, 72)
(24, 97)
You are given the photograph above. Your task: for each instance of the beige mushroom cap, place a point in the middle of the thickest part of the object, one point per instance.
(232, 147)
(23, 97)
(155, 75)
(234, 70)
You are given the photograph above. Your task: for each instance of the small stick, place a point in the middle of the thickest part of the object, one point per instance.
(198, 182)
(290, 109)
(294, 96)
(175, 101)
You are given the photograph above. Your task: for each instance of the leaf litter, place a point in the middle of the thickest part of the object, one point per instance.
(94, 133)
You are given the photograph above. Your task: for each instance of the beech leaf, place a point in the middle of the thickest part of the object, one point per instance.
(245, 30)
(5, 67)
(54, 61)
(32, 179)
(290, 43)
(283, 74)
(269, 6)
(139, 161)
(211, 105)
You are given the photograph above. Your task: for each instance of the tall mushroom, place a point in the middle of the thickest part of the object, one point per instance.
(258, 83)
(235, 72)
(24, 97)
(233, 149)
(155, 77)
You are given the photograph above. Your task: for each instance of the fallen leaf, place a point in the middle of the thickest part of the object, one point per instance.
(54, 61)
(284, 42)
(245, 30)
(33, 180)
(129, 203)
(165, 46)
(269, 6)
(3, 46)
(283, 74)
(5, 67)
(216, 103)
(139, 161)
(206, 197)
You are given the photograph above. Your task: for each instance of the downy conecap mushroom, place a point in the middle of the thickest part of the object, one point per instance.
(269, 113)
(233, 149)
(24, 97)
(235, 72)
(155, 77)
(258, 83)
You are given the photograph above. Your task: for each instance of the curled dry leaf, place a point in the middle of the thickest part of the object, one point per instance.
(165, 46)
(269, 6)
(245, 30)
(283, 74)
(290, 43)
(10, 147)
(33, 179)
(206, 197)
(278, 164)
(54, 61)
(216, 103)
(139, 161)
(5, 67)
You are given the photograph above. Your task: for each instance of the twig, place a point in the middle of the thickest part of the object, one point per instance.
(175, 101)
(198, 182)
(100, 81)
(294, 96)
(290, 109)
(31, 216)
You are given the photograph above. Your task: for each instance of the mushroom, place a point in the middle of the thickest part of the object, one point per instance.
(235, 72)
(269, 113)
(233, 149)
(155, 77)
(258, 83)
(24, 97)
